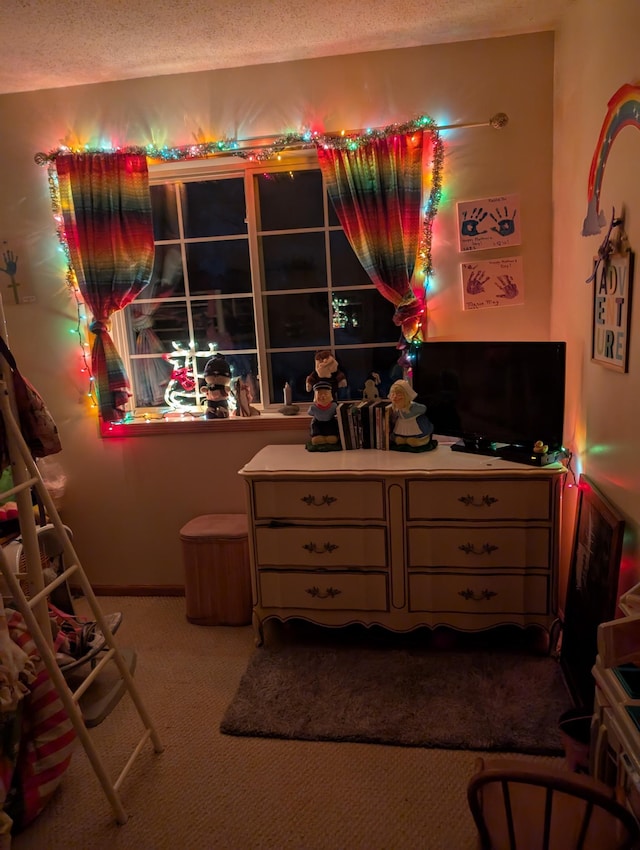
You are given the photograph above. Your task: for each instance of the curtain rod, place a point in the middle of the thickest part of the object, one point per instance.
(497, 121)
(276, 144)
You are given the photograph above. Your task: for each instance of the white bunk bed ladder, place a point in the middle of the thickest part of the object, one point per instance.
(34, 609)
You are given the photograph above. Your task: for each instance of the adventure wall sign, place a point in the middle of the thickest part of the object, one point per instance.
(612, 311)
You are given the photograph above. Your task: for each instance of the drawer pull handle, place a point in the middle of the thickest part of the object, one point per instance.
(316, 550)
(470, 594)
(485, 501)
(325, 500)
(470, 549)
(329, 593)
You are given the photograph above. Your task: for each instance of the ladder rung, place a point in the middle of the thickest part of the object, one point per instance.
(24, 485)
(132, 758)
(47, 591)
(90, 677)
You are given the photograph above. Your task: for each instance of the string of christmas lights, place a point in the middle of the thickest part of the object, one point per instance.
(81, 325)
(306, 139)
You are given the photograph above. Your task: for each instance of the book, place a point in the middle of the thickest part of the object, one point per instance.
(342, 415)
(364, 424)
(354, 426)
(365, 407)
(382, 412)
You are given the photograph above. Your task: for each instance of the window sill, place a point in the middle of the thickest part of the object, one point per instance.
(189, 425)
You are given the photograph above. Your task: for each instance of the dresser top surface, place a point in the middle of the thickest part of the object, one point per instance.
(295, 459)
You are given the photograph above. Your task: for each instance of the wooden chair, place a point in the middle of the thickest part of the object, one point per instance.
(521, 805)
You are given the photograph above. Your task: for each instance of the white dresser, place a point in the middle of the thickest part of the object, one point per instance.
(402, 540)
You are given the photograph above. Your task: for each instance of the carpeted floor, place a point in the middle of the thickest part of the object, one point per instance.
(482, 699)
(208, 790)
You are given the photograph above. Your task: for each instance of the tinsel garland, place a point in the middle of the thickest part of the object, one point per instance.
(232, 147)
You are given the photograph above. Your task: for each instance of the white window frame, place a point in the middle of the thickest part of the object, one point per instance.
(234, 167)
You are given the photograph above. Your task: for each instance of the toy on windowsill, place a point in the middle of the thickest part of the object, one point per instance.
(217, 376)
(325, 436)
(244, 397)
(412, 430)
(326, 369)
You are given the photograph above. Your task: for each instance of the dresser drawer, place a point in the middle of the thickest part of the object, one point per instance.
(326, 547)
(479, 500)
(321, 591)
(319, 499)
(488, 594)
(486, 547)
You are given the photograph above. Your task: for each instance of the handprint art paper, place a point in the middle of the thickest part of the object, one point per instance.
(492, 283)
(13, 287)
(489, 223)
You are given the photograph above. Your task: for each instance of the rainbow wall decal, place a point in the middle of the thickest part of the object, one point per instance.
(624, 111)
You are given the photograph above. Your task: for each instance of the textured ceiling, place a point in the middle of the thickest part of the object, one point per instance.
(54, 43)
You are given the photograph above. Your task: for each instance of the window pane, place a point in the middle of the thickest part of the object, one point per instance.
(363, 316)
(292, 368)
(153, 327)
(150, 379)
(228, 322)
(245, 366)
(333, 218)
(294, 321)
(213, 208)
(360, 364)
(295, 261)
(346, 268)
(164, 211)
(167, 277)
(219, 268)
(290, 200)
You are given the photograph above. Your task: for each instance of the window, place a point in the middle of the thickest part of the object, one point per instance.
(251, 262)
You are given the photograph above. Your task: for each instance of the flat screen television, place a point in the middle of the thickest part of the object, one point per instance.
(494, 394)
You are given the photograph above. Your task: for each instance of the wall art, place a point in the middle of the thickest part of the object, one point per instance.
(623, 111)
(13, 287)
(489, 223)
(611, 321)
(492, 283)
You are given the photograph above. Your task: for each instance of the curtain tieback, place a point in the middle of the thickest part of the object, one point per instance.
(98, 326)
(409, 308)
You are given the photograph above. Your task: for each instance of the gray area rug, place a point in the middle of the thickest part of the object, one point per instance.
(480, 699)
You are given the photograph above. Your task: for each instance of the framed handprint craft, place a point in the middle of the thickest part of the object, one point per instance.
(492, 283)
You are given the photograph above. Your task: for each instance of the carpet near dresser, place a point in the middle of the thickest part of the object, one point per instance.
(413, 692)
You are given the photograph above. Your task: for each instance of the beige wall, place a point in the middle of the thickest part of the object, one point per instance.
(596, 53)
(126, 500)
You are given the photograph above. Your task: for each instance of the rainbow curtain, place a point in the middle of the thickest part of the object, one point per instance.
(376, 189)
(106, 208)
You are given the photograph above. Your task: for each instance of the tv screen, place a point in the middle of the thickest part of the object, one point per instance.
(502, 392)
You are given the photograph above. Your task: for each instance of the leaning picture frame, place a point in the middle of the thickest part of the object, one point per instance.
(592, 588)
(611, 316)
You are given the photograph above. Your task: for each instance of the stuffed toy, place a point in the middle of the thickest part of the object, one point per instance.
(217, 376)
(326, 369)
